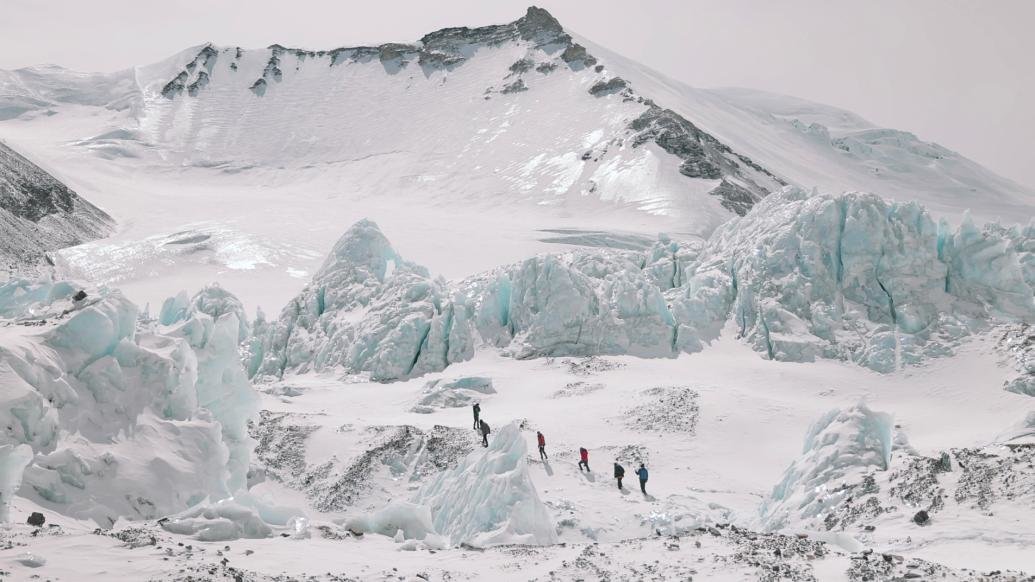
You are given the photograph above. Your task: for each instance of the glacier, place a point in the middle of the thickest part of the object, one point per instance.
(802, 276)
(841, 443)
(488, 499)
(122, 417)
(369, 310)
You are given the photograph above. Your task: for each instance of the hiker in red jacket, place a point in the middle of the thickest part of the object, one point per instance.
(584, 454)
(542, 445)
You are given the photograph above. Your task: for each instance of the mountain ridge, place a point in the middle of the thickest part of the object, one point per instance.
(747, 142)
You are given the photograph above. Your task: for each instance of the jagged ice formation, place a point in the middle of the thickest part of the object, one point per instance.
(850, 277)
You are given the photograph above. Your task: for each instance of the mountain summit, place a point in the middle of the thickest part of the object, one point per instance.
(516, 128)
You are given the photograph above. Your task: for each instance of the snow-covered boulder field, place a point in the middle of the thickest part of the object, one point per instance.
(104, 415)
(801, 276)
(858, 474)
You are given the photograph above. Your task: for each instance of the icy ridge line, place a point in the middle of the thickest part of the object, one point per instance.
(440, 49)
(741, 182)
(850, 277)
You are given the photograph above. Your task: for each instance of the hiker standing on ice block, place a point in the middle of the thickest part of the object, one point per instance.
(584, 462)
(619, 474)
(642, 474)
(542, 445)
(484, 428)
(477, 408)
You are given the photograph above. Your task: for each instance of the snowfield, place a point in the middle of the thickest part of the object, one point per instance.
(325, 258)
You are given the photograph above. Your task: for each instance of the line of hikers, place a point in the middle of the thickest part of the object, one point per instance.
(619, 471)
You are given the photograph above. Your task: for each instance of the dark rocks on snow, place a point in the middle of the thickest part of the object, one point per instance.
(591, 365)
(522, 65)
(577, 57)
(28, 195)
(515, 87)
(79, 296)
(679, 137)
(175, 86)
(735, 198)
(609, 87)
(335, 485)
(36, 519)
(259, 87)
(702, 156)
(921, 518)
(201, 65)
(667, 409)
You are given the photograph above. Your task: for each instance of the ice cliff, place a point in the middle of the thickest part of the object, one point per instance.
(843, 443)
(488, 499)
(850, 277)
(858, 278)
(368, 310)
(122, 418)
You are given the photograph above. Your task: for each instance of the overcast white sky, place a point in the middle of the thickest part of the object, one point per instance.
(958, 73)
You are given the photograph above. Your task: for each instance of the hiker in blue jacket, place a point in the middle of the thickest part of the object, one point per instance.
(642, 474)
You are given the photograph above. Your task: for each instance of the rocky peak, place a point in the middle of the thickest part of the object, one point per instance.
(538, 24)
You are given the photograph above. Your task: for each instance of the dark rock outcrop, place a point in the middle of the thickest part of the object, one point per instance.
(921, 518)
(194, 75)
(704, 157)
(611, 86)
(38, 213)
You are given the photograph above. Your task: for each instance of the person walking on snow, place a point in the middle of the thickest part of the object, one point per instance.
(542, 445)
(584, 456)
(642, 474)
(484, 428)
(477, 408)
(619, 473)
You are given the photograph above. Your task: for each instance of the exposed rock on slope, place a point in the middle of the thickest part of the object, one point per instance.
(461, 85)
(39, 214)
(857, 474)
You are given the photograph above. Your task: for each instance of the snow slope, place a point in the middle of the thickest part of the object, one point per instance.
(511, 129)
(816, 145)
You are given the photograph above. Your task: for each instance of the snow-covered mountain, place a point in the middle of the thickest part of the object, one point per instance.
(524, 126)
(40, 214)
(515, 217)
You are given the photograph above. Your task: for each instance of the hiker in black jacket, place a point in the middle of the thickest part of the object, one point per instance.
(619, 473)
(484, 427)
(477, 408)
